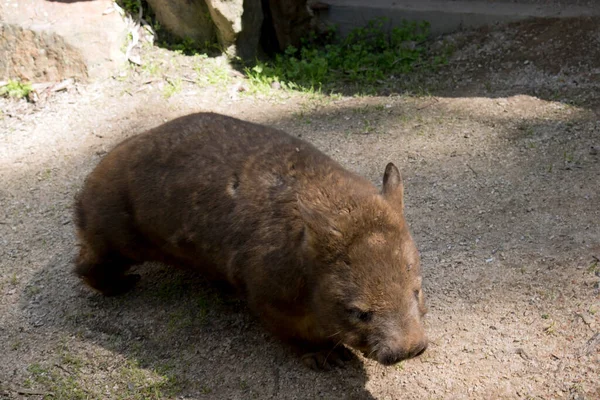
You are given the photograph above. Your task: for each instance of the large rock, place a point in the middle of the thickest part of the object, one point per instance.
(185, 19)
(233, 24)
(291, 21)
(248, 39)
(38, 56)
(238, 24)
(52, 40)
(227, 17)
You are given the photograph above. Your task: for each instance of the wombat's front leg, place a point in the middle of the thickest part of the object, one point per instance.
(319, 353)
(105, 273)
(327, 357)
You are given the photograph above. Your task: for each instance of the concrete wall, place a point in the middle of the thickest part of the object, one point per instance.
(448, 15)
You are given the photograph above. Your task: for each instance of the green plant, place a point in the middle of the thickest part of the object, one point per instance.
(16, 89)
(173, 86)
(131, 6)
(211, 71)
(152, 68)
(188, 46)
(594, 267)
(367, 56)
(60, 387)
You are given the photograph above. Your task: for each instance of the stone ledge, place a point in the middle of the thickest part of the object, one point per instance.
(55, 40)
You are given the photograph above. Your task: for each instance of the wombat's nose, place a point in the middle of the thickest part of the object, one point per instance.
(420, 349)
(392, 357)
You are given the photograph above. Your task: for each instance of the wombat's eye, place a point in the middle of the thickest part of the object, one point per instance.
(363, 316)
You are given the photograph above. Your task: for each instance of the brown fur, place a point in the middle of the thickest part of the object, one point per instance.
(321, 256)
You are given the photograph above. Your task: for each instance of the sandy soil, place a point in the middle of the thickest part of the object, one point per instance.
(502, 176)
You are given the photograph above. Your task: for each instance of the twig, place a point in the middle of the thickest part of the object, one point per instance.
(475, 172)
(63, 85)
(28, 392)
(148, 27)
(591, 344)
(183, 78)
(435, 100)
(135, 37)
(63, 368)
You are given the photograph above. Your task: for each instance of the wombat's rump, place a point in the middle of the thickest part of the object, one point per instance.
(320, 254)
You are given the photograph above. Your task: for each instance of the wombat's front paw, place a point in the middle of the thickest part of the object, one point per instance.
(123, 285)
(328, 358)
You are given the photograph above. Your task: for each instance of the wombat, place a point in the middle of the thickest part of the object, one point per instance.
(322, 257)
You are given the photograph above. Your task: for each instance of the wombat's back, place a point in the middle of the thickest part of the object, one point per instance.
(204, 190)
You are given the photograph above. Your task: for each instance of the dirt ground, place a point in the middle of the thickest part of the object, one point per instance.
(499, 152)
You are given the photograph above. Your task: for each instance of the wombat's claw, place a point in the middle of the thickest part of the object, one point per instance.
(327, 359)
(125, 284)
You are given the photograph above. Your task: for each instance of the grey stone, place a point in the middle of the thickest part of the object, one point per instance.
(51, 40)
(292, 21)
(233, 24)
(238, 24)
(37, 56)
(185, 19)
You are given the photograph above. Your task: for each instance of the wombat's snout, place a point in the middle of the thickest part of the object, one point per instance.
(393, 356)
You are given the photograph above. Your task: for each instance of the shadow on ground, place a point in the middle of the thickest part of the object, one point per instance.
(199, 338)
(552, 59)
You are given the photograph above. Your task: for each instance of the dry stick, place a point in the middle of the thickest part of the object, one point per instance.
(475, 172)
(435, 100)
(591, 344)
(135, 35)
(28, 392)
(62, 85)
(63, 368)
(170, 78)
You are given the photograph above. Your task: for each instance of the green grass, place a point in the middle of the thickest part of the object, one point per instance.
(211, 71)
(594, 267)
(57, 386)
(185, 46)
(368, 58)
(152, 68)
(131, 6)
(189, 47)
(16, 89)
(71, 380)
(172, 87)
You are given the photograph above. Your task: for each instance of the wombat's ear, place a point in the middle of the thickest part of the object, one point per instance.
(393, 189)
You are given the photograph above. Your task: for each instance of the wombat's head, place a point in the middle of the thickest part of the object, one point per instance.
(368, 292)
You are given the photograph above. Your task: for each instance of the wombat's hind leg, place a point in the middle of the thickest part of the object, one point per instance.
(327, 358)
(105, 273)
